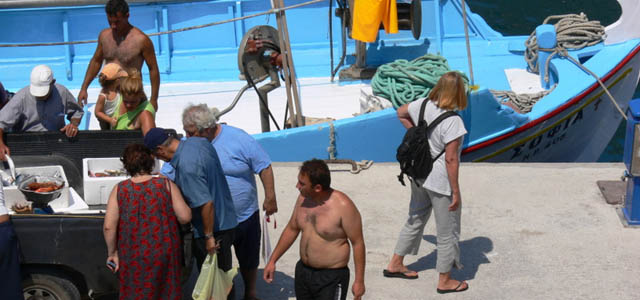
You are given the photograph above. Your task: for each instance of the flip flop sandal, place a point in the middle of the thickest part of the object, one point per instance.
(402, 275)
(441, 291)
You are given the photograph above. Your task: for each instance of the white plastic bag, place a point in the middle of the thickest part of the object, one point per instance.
(213, 283)
(265, 244)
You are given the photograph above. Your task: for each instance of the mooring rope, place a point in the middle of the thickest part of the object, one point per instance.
(572, 32)
(524, 102)
(403, 81)
(271, 11)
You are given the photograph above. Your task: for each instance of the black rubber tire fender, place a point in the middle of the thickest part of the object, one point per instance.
(59, 288)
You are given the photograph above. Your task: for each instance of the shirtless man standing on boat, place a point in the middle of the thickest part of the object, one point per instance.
(329, 220)
(124, 44)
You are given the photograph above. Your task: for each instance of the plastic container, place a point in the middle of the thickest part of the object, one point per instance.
(13, 195)
(98, 189)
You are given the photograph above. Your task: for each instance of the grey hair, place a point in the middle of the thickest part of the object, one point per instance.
(199, 116)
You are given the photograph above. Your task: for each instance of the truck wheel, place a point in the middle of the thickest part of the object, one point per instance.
(47, 287)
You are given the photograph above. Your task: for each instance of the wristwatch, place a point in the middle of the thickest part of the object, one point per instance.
(208, 236)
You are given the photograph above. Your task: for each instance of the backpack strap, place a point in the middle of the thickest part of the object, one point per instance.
(421, 115)
(441, 117)
(437, 121)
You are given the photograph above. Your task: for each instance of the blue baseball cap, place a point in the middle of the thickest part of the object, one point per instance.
(155, 137)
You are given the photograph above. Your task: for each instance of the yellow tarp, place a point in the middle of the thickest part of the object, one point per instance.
(367, 15)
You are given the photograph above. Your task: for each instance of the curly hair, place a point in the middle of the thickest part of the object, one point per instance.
(318, 172)
(113, 7)
(137, 160)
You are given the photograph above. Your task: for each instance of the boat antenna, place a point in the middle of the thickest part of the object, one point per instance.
(466, 37)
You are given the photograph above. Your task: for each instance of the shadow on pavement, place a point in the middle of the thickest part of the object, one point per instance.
(472, 255)
(280, 289)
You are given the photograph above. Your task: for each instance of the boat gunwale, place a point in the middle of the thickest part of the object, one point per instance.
(559, 109)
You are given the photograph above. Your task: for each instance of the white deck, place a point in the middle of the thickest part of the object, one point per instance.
(319, 97)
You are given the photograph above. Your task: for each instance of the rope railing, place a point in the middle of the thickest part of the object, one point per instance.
(271, 11)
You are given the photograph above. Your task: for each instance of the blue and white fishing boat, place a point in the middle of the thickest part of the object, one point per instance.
(574, 120)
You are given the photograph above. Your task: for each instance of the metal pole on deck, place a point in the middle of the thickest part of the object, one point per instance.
(466, 37)
(288, 68)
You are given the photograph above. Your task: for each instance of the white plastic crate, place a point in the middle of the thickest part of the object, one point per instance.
(13, 194)
(98, 189)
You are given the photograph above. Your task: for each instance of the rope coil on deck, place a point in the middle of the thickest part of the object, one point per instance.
(523, 102)
(268, 12)
(403, 81)
(572, 32)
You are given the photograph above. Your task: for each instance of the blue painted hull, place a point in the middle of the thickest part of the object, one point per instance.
(577, 131)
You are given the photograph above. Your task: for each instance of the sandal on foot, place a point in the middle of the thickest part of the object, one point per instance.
(442, 291)
(402, 275)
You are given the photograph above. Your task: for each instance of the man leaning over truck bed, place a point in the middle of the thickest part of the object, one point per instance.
(40, 106)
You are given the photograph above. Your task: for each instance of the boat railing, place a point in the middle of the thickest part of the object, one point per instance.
(72, 3)
(270, 11)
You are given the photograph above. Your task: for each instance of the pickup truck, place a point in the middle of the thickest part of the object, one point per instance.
(64, 255)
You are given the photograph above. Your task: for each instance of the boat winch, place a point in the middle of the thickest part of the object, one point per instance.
(258, 60)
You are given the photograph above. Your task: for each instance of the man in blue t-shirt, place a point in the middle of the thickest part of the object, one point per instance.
(241, 157)
(199, 175)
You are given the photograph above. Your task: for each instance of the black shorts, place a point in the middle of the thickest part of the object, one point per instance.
(321, 284)
(247, 242)
(225, 260)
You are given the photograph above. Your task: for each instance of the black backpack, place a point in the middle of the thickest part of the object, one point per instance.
(414, 153)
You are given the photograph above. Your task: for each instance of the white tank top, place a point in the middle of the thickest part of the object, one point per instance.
(3, 208)
(110, 105)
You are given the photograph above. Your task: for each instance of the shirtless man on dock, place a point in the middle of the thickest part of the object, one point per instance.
(328, 220)
(124, 44)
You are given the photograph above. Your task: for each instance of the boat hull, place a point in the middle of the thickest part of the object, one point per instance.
(576, 131)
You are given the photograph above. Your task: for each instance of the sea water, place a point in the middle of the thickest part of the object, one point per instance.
(520, 17)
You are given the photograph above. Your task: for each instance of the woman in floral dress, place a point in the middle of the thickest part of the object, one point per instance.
(141, 230)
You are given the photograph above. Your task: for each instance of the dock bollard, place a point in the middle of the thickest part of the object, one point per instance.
(631, 209)
(546, 37)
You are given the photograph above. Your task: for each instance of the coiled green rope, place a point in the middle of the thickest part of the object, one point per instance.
(403, 81)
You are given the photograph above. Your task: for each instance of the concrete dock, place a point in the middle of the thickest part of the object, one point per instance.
(529, 231)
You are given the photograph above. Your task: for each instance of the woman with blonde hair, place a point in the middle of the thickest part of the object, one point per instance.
(133, 111)
(440, 191)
